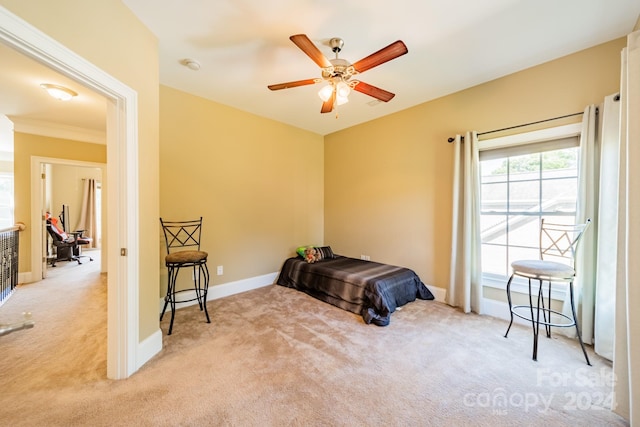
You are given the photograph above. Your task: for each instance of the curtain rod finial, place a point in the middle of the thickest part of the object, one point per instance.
(450, 140)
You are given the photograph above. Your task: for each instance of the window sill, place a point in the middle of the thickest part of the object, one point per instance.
(520, 285)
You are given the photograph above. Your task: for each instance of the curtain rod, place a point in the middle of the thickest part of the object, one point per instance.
(450, 140)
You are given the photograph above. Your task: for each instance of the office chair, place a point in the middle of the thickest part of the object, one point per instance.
(558, 242)
(68, 248)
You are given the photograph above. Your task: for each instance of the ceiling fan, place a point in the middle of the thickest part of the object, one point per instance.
(338, 72)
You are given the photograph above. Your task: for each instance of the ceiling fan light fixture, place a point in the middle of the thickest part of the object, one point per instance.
(337, 72)
(342, 90)
(341, 100)
(60, 93)
(325, 92)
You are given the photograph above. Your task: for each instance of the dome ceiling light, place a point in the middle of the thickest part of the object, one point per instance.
(60, 93)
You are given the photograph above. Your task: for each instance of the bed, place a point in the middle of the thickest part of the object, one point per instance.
(367, 288)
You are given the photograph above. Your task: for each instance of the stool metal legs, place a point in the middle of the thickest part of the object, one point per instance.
(201, 286)
(510, 305)
(575, 321)
(534, 315)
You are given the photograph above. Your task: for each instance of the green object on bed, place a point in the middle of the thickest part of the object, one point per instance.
(324, 251)
(301, 249)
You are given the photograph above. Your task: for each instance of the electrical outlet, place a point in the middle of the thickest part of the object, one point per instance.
(365, 257)
(220, 270)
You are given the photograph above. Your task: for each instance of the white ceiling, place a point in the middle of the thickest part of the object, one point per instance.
(243, 46)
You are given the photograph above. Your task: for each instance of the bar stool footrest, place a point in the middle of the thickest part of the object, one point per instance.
(547, 312)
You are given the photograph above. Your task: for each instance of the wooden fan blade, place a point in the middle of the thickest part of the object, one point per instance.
(292, 84)
(385, 54)
(327, 106)
(312, 51)
(373, 91)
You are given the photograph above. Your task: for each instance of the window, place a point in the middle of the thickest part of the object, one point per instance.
(6, 200)
(519, 186)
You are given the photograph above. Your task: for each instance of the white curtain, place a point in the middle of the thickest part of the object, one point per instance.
(88, 219)
(627, 330)
(584, 285)
(465, 287)
(604, 322)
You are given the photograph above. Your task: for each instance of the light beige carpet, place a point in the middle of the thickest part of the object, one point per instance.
(277, 357)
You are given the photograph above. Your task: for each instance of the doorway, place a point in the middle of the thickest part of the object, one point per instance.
(62, 185)
(122, 195)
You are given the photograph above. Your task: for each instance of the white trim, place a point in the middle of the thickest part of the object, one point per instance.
(440, 294)
(149, 347)
(531, 137)
(244, 285)
(500, 310)
(227, 289)
(56, 130)
(239, 286)
(122, 163)
(24, 277)
(519, 285)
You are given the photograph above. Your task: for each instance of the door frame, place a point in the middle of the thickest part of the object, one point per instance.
(37, 210)
(122, 249)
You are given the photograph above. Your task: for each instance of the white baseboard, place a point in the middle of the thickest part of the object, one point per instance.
(227, 289)
(232, 288)
(440, 294)
(148, 348)
(24, 277)
(500, 310)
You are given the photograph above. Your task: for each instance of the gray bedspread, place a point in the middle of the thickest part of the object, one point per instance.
(370, 289)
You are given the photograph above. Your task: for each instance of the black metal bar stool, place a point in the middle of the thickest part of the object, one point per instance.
(557, 241)
(180, 235)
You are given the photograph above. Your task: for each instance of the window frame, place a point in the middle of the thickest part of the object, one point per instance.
(9, 175)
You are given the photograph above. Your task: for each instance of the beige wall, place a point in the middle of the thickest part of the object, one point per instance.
(67, 188)
(257, 183)
(388, 182)
(107, 34)
(28, 145)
